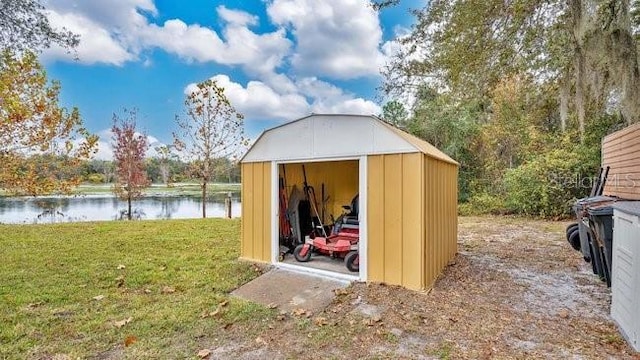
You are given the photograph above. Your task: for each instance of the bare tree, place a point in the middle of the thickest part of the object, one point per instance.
(212, 129)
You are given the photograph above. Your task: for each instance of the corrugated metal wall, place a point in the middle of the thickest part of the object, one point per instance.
(256, 209)
(394, 230)
(621, 152)
(412, 218)
(441, 217)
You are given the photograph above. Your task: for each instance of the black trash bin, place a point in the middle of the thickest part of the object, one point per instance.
(580, 209)
(591, 251)
(601, 220)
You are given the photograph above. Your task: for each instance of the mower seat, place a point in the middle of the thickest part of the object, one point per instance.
(351, 218)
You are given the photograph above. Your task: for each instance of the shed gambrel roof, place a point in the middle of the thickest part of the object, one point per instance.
(324, 136)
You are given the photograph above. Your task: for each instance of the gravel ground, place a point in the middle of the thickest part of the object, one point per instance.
(516, 290)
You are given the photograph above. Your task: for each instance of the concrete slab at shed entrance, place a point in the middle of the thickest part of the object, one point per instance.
(291, 290)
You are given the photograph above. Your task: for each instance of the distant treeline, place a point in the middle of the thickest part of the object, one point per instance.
(160, 171)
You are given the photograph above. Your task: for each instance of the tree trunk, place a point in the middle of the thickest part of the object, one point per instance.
(129, 204)
(204, 199)
(564, 103)
(580, 94)
(578, 27)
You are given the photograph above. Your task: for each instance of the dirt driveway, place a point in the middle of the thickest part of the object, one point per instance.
(515, 291)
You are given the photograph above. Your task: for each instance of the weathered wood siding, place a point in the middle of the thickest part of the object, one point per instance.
(621, 152)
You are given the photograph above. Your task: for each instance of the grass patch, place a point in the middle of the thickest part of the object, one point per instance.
(162, 274)
(444, 352)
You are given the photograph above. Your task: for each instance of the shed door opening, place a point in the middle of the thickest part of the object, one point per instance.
(318, 215)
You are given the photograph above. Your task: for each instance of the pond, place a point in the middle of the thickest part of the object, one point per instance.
(29, 210)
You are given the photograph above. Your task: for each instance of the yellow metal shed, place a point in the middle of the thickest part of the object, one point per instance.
(407, 189)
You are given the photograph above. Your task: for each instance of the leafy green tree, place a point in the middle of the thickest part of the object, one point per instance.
(584, 52)
(454, 128)
(394, 113)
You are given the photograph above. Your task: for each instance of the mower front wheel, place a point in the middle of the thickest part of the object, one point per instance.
(302, 252)
(352, 261)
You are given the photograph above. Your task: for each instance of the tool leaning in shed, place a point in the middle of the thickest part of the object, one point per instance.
(287, 240)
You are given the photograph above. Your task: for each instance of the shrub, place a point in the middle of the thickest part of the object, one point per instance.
(481, 204)
(95, 178)
(548, 184)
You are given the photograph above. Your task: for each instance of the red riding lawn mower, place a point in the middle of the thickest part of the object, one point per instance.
(341, 243)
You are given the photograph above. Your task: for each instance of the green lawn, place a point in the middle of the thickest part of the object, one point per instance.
(163, 275)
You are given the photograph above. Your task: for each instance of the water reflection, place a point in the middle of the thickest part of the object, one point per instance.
(29, 210)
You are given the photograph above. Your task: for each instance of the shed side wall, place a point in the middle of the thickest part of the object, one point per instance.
(621, 152)
(256, 211)
(395, 212)
(440, 217)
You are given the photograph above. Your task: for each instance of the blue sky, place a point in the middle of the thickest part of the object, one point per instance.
(277, 59)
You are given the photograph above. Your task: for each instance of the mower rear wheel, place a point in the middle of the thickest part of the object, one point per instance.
(352, 261)
(302, 252)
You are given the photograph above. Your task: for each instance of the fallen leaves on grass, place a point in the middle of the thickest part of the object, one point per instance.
(130, 340)
(121, 323)
(370, 322)
(320, 321)
(341, 291)
(272, 306)
(61, 357)
(167, 290)
(35, 305)
(302, 312)
(204, 353)
(281, 316)
(217, 311)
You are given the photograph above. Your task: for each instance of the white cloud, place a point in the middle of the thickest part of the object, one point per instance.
(236, 17)
(97, 44)
(117, 16)
(240, 46)
(336, 39)
(340, 39)
(117, 32)
(105, 152)
(257, 100)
